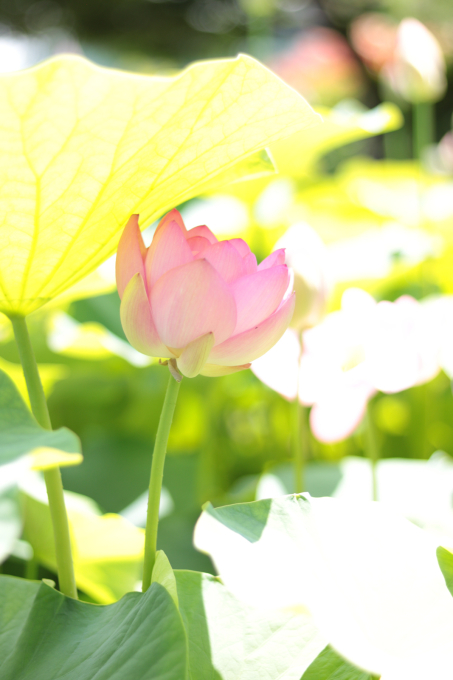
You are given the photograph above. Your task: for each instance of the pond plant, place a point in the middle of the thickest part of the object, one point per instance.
(311, 588)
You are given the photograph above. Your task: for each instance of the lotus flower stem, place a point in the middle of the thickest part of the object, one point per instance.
(155, 482)
(372, 450)
(298, 446)
(299, 432)
(52, 477)
(423, 132)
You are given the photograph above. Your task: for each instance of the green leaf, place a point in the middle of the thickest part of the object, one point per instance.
(445, 559)
(232, 641)
(47, 636)
(296, 155)
(369, 577)
(22, 437)
(107, 549)
(84, 147)
(163, 574)
(330, 666)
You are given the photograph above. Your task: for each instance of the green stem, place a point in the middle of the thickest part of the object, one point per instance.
(423, 127)
(52, 477)
(155, 482)
(372, 450)
(298, 449)
(31, 570)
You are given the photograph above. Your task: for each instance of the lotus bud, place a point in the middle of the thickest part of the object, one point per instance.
(306, 255)
(202, 304)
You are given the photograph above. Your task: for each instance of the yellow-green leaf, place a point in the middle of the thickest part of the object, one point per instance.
(46, 457)
(107, 549)
(295, 155)
(82, 147)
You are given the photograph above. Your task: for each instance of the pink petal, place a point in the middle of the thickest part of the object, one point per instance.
(214, 371)
(251, 344)
(197, 244)
(225, 259)
(137, 320)
(275, 258)
(241, 246)
(190, 301)
(170, 250)
(172, 216)
(203, 231)
(130, 256)
(250, 264)
(195, 354)
(258, 295)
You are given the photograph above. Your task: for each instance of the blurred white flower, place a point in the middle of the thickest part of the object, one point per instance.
(306, 255)
(362, 348)
(417, 69)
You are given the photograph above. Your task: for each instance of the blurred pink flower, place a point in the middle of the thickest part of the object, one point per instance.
(201, 302)
(363, 348)
(373, 36)
(321, 66)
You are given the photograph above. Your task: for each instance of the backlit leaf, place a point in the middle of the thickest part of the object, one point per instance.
(369, 577)
(107, 549)
(229, 640)
(82, 147)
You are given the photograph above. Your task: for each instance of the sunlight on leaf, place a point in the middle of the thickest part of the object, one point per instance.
(107, 549)
(296, 155)
(83, 147)
(20, 434)
(229, 640)
(50, 374)
(369, 577)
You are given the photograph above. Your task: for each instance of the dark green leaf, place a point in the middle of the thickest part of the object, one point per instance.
(47, 636)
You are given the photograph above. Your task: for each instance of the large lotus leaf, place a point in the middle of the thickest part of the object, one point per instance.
(107, 549)
(22, 438)
(229, 640)
(420, 490)
(330, 666)
(296, 155)
(369, 577)
(47, 636)
(83, 147)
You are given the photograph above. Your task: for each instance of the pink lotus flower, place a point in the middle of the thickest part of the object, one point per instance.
(203, 303)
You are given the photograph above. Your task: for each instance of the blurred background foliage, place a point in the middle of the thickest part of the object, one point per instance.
(357, 182)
